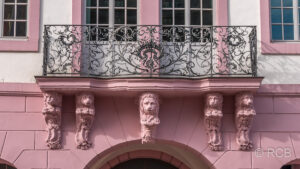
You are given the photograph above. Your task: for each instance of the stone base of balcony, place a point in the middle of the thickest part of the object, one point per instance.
(134, 86)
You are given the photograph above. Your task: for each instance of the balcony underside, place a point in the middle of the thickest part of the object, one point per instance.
(134, 86)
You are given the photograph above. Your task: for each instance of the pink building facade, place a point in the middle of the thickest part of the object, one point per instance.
(99, 94)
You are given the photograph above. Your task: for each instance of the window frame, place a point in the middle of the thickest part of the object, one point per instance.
(187, 8)
(30, 43)
(15, 20)
(267, 45)
(111, 14)
(295, 23)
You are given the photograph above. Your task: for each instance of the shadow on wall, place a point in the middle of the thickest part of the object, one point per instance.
(278, 68)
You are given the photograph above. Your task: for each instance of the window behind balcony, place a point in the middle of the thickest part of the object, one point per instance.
(14, 18)
(285, 17)
(117, 16)
(175, 23)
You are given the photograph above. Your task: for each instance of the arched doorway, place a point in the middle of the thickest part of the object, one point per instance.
(165, 153)
(144, 163)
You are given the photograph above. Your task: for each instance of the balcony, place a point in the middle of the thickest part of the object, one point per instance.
(149, 56)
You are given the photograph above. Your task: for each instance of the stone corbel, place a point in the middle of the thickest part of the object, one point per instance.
(213, 120)
(149, 109)
(52, 114)
(244, 114)
(85, 112)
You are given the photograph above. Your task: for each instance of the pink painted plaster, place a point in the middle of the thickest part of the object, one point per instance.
(267, 46)
(222, 13)
(77, 12)
(149, 12)
(31, 43)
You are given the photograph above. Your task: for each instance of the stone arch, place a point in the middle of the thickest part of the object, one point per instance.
(294, 164)
(173, 153)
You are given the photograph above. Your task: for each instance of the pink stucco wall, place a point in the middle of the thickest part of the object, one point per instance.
(22, 128)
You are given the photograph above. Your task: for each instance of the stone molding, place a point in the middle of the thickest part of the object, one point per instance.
(213, 120)
(52, 114)
(85, 112)
(244, 114)
(149, 109)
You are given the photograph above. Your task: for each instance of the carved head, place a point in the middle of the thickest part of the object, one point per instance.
(85, 99)
(244, 100)
(53, 99)
(149, 104)
(214, 100)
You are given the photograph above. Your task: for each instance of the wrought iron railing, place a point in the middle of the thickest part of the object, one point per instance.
(150, 51)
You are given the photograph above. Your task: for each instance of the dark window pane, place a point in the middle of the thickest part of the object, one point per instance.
(287, 15)
(179, 34)
(8, 29)
(276, 32)
(179, 3)
(195, 3)
(9, 12)
(179, 17)
(103, 16)
(10, 167)
(9, 1)
(275, 3)
(167, 4)
(131, 3)
(167, 17)
(299, 3)
(103, 3)
(22, 1)
(195, 17)
(207, 3)
(22, 12)
(119, 34)
(167, 34)
(288, 32)
(103, 33)
(207, 17)
(276, 15)
(299, 14)
(119, 16)
(287, 3)
(131, 16)
(91, 16)
(91, 2)
(21, 29)
(2, 166)
(286, 167)
(119, 3)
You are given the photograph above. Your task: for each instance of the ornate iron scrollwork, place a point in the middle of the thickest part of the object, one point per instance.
(184, 52)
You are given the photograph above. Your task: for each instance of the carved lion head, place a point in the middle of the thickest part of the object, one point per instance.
(214, 100)
(244, 100)
(85, 99)
(149, 104)
(53, 99)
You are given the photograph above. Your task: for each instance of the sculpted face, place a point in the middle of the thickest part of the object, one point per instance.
(214, 101)
(149, 105)
(49, 99)
(247, 100)
(87, 100)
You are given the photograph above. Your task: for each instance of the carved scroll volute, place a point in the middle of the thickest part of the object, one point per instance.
(52, 114)
(149, 109)
(85, 112)
(244, 114)
(213, 120)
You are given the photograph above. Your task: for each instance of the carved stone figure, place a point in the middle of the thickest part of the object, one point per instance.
(213, 120)
(149, 109)
(244, 115)
(85, 112)
(52, 114)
